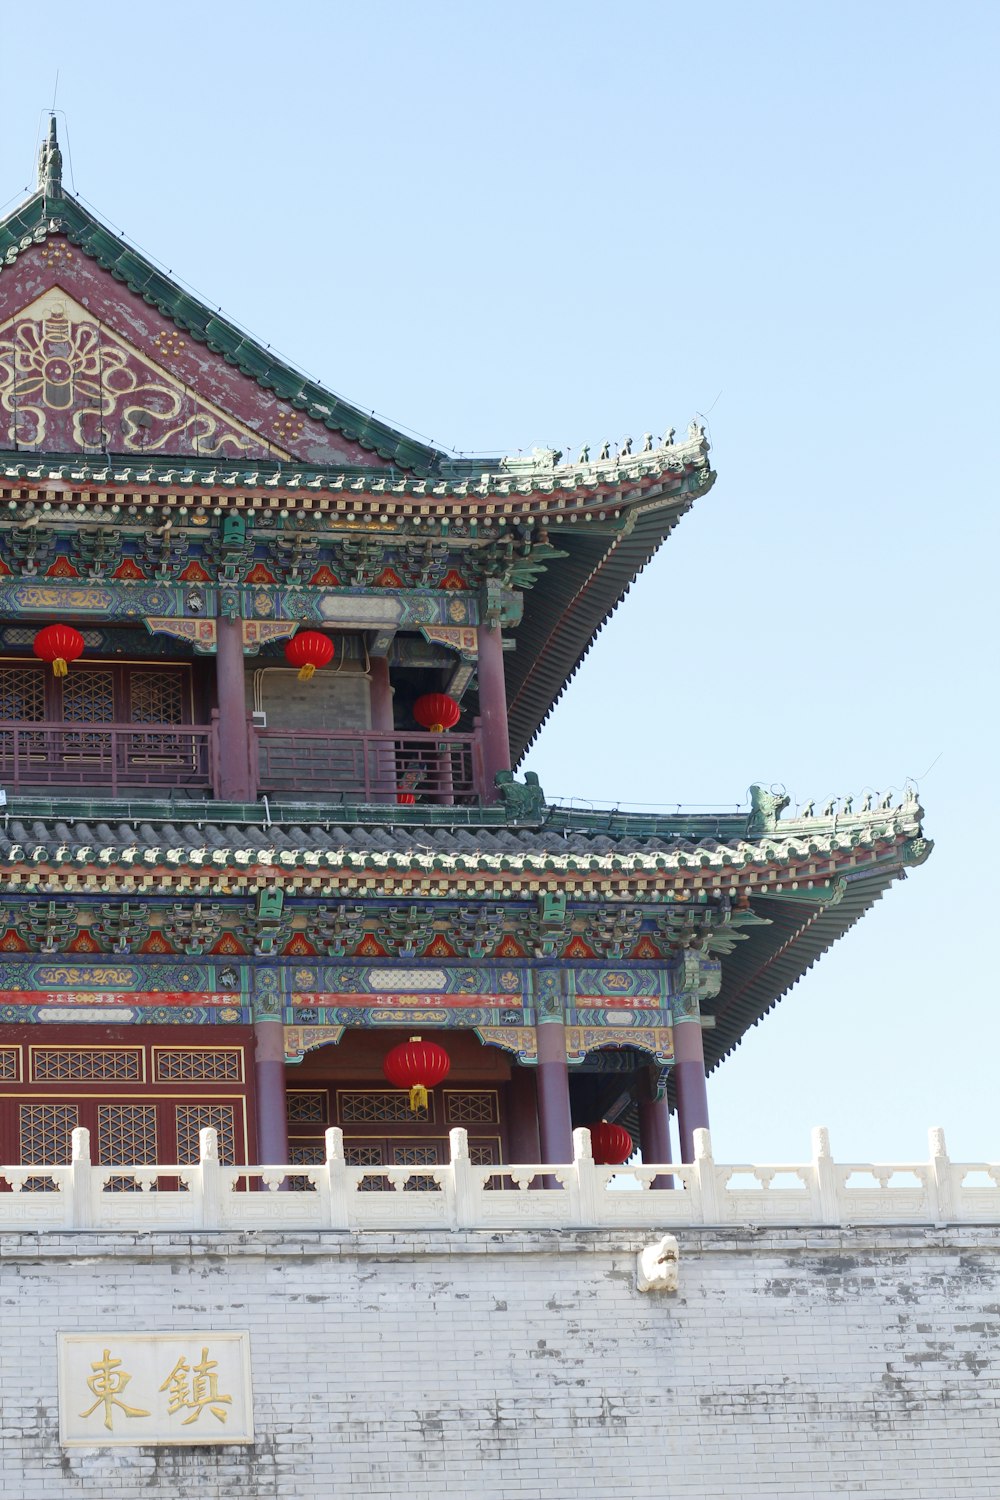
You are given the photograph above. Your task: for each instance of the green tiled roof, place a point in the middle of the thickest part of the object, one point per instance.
(156, 843)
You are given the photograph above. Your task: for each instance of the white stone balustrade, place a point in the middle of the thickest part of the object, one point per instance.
(458, 1195)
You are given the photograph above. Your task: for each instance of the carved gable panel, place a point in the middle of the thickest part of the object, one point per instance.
(117, 363)
(70, 384)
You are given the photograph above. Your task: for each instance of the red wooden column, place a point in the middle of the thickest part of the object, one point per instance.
(383, 722)
(689, 1075)
(522, 1121)
(235, 783)
(555, 1125)
(654, 1121)
(654, 1125)
(492, 708)
(269, 1077)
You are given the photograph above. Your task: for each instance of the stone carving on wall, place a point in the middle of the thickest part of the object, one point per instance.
(657, 1266)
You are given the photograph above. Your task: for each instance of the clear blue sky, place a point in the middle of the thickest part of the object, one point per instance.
(508, 224)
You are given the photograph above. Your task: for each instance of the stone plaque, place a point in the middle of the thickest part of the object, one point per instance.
(165, 1388)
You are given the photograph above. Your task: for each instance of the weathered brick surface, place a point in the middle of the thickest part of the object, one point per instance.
(519, 1366)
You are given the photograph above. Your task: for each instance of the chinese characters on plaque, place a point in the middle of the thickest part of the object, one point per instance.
(154, 1388)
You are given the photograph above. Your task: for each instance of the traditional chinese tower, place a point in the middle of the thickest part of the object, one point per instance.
(263, 827)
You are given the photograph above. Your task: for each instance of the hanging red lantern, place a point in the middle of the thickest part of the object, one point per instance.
(59, 644)
(405, 799)
(436, 712)
(307, 651)
(611, 1144)
(416, 1065)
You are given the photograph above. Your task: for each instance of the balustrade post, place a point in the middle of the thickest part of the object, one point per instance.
(336, 1179)
(585, 1206)
(825, 1187)
(465, 1199)
(234, 782)
(704, 1176)
(941, 1183)
(79, 1211)
(209, 1178)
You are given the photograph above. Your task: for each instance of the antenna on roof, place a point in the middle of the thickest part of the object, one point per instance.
(50, 164)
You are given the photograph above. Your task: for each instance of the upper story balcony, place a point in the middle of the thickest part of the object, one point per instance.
(338, 766)
(233, 730)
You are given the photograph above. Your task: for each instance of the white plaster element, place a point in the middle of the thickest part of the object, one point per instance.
(574, 1195)
(657, 1266)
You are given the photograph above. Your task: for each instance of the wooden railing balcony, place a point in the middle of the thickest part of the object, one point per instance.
(365, 766)
(113, 757)
(334, 765)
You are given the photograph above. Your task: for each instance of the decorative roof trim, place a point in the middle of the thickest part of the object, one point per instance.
(770, 866)
(606, 490)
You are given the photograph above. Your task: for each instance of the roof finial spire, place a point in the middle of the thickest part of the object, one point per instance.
(50, 164)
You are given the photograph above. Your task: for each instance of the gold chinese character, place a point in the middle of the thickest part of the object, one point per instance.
(195, 1389)
(107, 1384)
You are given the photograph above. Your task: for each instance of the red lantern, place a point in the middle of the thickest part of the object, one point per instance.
(307, 651)
(436, 712)
(405, 799)
(59, 644)
(611, 1144)
(416, 1065)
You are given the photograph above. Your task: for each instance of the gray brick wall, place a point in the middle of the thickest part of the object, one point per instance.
(513, 1366)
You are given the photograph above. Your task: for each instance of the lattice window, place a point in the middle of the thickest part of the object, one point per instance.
(414, 1155)
(307, 1107)
(89, 697)
(86, 1065)
(209, 1065)
(22, 693)
(194, 1117)
(306, 1155)
(126, 1135)
(364, 1156)
(45, 1133)
(470, 1109)
(10, 1064)
(483, 1154)
(387, 1107)
(368, 1156)
(156, 698)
